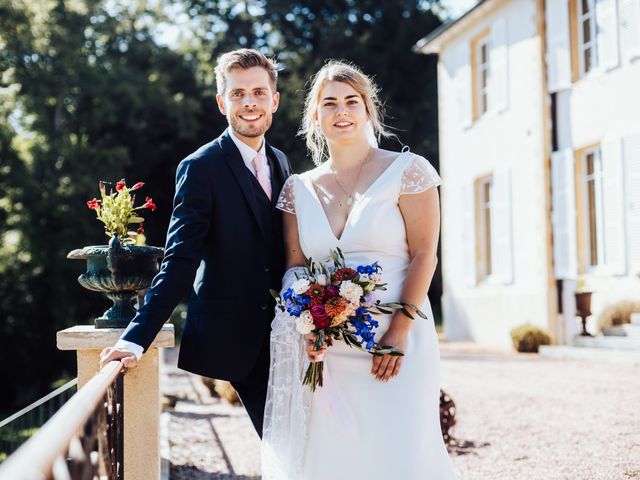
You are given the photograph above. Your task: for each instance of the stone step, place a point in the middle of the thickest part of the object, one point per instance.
(625, 330)
(604, 342)
(565, 352)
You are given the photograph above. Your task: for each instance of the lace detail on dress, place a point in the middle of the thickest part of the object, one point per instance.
(419, 176)
(288, 401)
(286, 200)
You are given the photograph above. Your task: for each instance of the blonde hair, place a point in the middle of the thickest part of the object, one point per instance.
(339, 71)
(243, 58)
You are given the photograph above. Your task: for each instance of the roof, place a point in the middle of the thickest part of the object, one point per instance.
(432, 43)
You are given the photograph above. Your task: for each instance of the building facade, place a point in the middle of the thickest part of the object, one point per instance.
(539, 107)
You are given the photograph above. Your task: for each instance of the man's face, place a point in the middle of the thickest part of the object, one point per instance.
(248, 101)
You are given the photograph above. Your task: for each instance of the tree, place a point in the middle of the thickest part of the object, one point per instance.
(94, 99)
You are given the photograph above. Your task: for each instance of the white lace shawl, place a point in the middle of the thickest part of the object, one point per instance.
(288, 400)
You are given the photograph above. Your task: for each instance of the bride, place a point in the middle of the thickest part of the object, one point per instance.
(376, 417)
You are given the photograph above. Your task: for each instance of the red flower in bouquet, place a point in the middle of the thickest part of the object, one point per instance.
(316, 292)
(332, 291)
(320, 318)
(343, 274)
(120, 185)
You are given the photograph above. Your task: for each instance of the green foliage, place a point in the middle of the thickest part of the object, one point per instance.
(93, 98)
(527, 338)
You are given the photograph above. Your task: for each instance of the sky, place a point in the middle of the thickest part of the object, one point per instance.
(458, 7)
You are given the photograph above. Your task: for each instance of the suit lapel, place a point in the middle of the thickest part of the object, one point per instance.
(240, 171)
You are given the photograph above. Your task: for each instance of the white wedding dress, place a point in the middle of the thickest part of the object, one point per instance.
(356, 427)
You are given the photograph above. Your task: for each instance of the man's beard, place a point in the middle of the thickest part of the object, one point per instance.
(248, 131)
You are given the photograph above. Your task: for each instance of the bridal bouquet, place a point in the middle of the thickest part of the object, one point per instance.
(337, 302)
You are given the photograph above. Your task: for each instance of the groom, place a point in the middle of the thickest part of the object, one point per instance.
(224, 242)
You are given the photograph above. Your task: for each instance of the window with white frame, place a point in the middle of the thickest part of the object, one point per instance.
(484, 195)
(482, 76)
(593, 207)
(587, 36)
(487, 229)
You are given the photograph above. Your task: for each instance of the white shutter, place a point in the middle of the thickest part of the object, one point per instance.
(565, 253)
(501, 227)
(469, 234)
(498, 67)
(613, 193)
(629, 27)
(631, 152)
(463, 86)
(607, 33)
(558, 45)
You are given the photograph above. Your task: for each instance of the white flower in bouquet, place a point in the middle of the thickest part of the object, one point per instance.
(351, 291)
(375, 277)
(369, 300)
(364, 277)
(300, 286)
(322, 280)
(304, 323)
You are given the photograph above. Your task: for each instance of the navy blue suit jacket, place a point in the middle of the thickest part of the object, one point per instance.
(221, 245)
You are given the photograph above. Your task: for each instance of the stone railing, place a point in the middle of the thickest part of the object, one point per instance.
(110, 428)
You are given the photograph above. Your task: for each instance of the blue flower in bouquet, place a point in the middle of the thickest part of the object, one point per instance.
(295, 310)
(369, 269)
(288, 294)
(302, 299)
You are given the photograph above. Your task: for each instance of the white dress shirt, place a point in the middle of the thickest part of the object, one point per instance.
(248, 154)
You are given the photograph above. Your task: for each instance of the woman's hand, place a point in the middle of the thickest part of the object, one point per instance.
(313, 354)
(387, 366)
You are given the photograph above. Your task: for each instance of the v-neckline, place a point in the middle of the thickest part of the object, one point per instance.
(356, 201)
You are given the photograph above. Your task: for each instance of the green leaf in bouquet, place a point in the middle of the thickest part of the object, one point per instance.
(407, 313)
(383, 310)
(274, 294)
(417, 310)
(136, 220)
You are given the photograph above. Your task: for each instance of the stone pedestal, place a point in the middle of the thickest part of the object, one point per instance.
(141, 392)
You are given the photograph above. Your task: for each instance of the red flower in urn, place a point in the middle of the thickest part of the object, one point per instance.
(117, 211)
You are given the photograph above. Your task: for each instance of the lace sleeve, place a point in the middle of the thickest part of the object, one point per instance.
(419, 176)
(286, 200)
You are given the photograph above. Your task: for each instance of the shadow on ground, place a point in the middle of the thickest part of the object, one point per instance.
(465, 447)
(188, 472)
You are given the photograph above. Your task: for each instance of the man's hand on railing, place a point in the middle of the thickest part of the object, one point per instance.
(110, 354)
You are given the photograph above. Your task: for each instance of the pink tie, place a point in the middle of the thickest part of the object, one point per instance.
(262, 173)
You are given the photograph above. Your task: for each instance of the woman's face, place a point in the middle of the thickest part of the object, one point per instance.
(341, 115)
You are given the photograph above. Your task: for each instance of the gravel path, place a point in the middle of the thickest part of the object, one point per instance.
(519, 417)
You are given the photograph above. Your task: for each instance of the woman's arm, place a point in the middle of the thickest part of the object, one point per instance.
(295, 258)
(293, 252)
(421, 214)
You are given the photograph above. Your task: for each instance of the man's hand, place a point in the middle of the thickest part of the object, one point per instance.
(110, 354)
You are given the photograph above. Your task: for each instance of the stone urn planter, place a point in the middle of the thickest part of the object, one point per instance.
(120, 272)
(583, 309)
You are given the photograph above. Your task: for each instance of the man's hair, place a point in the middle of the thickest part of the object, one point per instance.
(243, 58)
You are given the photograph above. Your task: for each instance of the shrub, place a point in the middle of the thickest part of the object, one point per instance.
(617, 313)
(527, 338)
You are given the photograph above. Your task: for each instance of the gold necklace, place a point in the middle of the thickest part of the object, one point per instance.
(350, 195)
